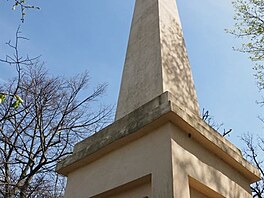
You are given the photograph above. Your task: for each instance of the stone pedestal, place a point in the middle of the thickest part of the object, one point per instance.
(160, 150)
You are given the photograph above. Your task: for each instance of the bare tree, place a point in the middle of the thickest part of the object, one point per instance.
(254, 152)
(43, 126)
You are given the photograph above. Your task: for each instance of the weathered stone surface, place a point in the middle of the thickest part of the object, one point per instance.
(156, 59)
(162, 109)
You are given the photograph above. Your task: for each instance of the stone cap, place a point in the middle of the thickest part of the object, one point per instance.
(160, 110)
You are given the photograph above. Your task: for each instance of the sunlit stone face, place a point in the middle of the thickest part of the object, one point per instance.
(156, 59)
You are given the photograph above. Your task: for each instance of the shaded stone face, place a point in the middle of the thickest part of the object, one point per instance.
(177, 76)
(156, 59)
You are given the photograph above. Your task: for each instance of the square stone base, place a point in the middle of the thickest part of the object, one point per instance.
(158, 151)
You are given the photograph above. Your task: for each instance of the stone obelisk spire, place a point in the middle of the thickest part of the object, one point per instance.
(156, 59)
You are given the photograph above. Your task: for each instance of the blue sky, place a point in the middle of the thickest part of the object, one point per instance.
(74, 36)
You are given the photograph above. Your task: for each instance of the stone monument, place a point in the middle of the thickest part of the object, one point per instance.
(158, 146)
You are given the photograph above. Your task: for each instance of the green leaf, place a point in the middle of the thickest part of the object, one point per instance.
(2, 98)
(16, 104)
(19, 99)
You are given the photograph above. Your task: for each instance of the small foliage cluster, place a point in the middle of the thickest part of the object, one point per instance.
(23, 6)
(249, 25)
(18, 100)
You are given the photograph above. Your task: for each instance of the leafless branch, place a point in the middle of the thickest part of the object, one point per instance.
(42, 129)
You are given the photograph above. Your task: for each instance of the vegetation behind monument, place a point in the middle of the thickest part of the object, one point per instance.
(249, 26)
(41, 118)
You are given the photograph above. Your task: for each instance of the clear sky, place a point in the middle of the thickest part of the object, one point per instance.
(74, 36)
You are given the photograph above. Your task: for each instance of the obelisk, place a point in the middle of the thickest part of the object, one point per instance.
(158, 147)
(156, 59)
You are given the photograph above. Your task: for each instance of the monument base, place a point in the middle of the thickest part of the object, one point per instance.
(158, 151)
